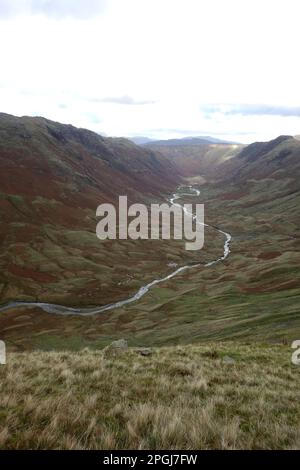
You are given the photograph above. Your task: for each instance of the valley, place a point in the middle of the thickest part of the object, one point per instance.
(253, 295)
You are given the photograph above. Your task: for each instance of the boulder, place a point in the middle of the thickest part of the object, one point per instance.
(144, 351)
(116, 348)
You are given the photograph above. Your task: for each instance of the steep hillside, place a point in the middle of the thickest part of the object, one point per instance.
(52, 179)
(278, 158)
(35, 151)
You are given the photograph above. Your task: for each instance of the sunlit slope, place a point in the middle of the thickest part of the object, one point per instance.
(201, 159)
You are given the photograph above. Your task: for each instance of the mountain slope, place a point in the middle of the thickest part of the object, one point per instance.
(278, 158)
(33, 149)
(52, 179)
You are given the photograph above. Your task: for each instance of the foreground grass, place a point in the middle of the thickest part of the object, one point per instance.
(183, 397)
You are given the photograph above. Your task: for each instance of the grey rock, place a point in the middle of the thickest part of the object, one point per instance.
(144, 351)
(115, 348)
(120, 344)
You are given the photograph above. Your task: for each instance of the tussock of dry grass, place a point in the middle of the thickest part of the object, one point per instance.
(181, 397)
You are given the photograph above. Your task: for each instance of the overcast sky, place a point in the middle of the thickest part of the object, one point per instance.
(156, 68)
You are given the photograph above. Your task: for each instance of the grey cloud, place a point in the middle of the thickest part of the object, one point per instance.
(251, 110)
(81, 9)
(128, 100)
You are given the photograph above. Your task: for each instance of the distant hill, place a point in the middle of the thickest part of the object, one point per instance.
(195, 156)
(201, 140)
(197, 160)
(140, 140)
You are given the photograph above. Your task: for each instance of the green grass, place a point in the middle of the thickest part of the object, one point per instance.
(182, 397)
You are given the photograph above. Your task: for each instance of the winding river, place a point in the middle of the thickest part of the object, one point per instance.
(85, 311)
